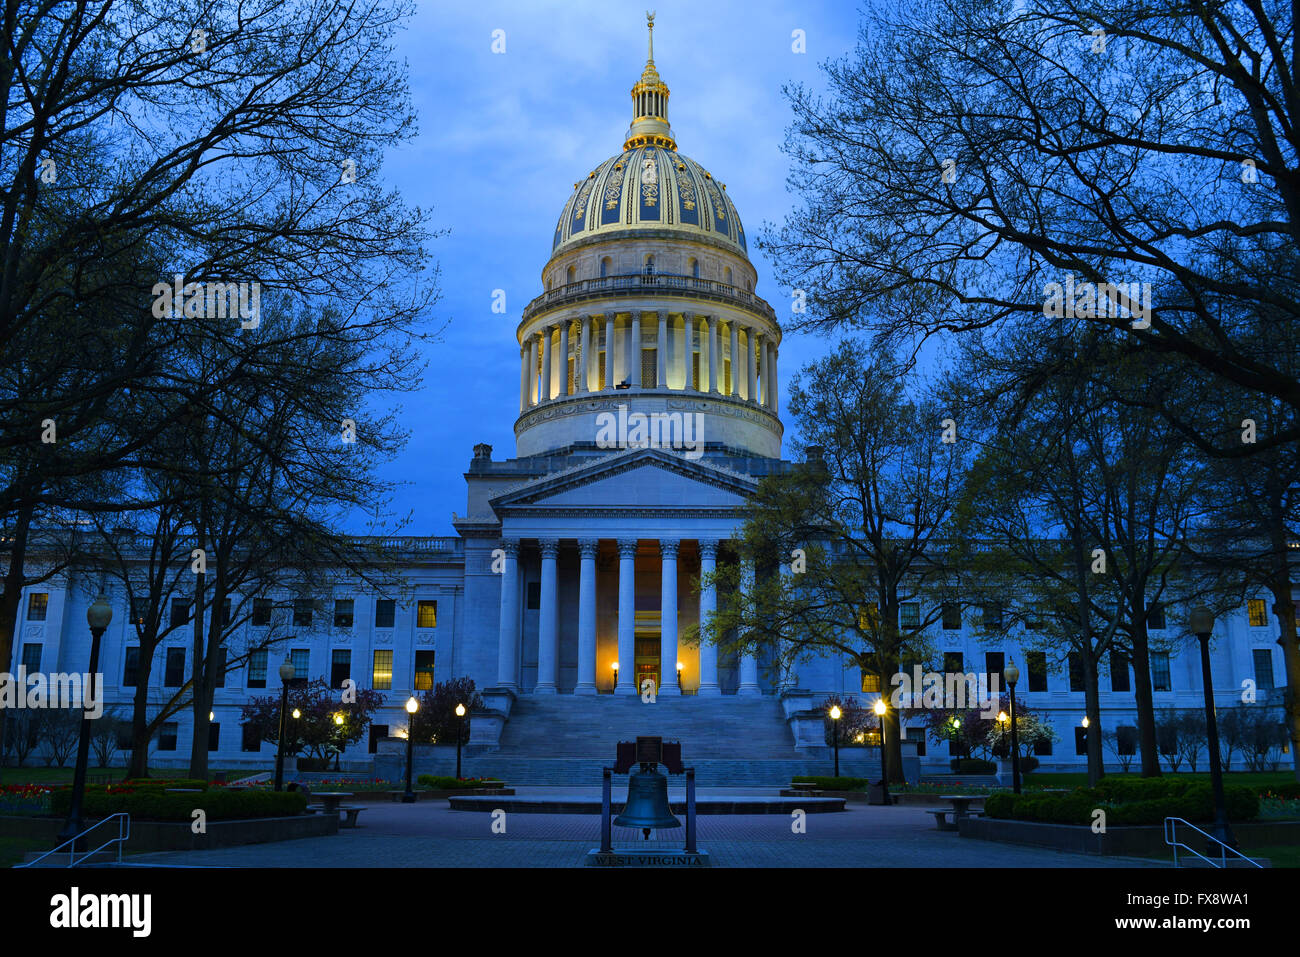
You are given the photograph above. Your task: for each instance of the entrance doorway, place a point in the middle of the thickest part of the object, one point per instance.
(646, 652)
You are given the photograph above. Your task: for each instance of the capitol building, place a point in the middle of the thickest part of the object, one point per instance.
(649, 410)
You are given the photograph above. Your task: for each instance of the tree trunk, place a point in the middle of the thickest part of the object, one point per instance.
(1146, 716)
(1284, 608)
(891, 739)
(1092, 707)
(202, 692)
(12, 596)
(141, 732)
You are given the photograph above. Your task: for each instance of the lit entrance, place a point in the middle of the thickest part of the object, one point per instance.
(647, 648)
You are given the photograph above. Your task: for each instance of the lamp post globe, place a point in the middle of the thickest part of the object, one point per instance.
(1201, 624)
(286, 675)
(412, 706)
(98, 616)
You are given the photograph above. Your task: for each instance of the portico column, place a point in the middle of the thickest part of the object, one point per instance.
(545, 392)
(735, 358)
(751, 372)
(586, 618)
(609, 352)
(564, 358)
(748, 662)
(668, 618)
(508, 634)
(584, 360)
(626, 618)
(708, 606)
(548, 622)
(772, 402)
(713, 354)
(688, 320)
(636, 350)
(661, 350)
(760, 344)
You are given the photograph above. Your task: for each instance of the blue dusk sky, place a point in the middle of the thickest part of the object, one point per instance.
(503, 137)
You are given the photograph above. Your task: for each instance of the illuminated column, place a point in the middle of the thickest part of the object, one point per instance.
(760, 353)
(713, 354)
(735, 357)
(636, 350)
(688, 320)
(523, 377)
(751, 371)
(668, 618)
(508, 635)
(564, 359)
(545, 392)
(772, 401)
(626, 617)
(748, 662)
(586, 618)
(708, 605)
(661, 350)
(533, 397)
(548, 622)
(584, 360)
(609, 352)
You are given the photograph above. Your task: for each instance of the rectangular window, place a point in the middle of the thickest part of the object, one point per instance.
(343, 613)
(261, 611)
(167, 736)
(1263, 658)
(1042, 747)
(224, 623)
(1076, 671)
(302, 608)
(257, 668)
(426, 615)
(340, 667)
(909, 615)
(1119, 671)
(32, 658)
(423, 671)
(38, 603)
(385, 613)
(1126, 739)
(382, 674)
(180, 614)
(869, 616)
(139, 609)
(300, 658)
(994, 664)
(951, 616)
(214, 735)
(952, 662)
(131, 668)
(1257, 612)
(377, 733)
(249, 741)
(1036, 665)
(870, 682)
(1160, 680)
(1080, 739)
(993, 615)
(220, 675)
(920, 741)
(1156, 617)
(174, 674)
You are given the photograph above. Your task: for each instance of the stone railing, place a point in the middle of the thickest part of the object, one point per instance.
(648, 284)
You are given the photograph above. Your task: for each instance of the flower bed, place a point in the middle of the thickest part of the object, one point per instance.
(25, 799)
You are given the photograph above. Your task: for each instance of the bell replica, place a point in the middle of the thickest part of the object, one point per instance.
(647, 793)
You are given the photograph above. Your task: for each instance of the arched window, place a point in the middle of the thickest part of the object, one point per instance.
(727, 276)
(604, 267)
(569, 274)
(695, 268)
(649, 265)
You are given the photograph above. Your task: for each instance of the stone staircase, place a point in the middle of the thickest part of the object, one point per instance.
(565, 740)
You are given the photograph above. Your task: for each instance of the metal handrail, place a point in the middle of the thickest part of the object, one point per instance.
(123, 832)
(1171, 838)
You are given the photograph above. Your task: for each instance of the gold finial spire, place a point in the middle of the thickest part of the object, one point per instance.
(650, 25)
(650, 102)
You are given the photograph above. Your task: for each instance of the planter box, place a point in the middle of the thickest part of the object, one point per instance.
(1116, 841)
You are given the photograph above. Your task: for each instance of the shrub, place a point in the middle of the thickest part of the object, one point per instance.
(152, 804)
(447, 783)
(161, 783)
(1146, 801)
(972, 766)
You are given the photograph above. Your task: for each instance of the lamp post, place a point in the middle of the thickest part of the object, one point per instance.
(880, 709)
(98, 616)
(1202, 625)
(614, 666)
(338, 745)
(460, 735)
(835, 718)
(286, 675)
(1012, 674)
(412, 706)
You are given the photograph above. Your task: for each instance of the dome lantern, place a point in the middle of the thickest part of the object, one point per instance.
(650, 104)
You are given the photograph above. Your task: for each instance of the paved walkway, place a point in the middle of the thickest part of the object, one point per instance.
(429, 834)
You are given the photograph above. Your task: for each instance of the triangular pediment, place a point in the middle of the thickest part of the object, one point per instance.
(636, 479)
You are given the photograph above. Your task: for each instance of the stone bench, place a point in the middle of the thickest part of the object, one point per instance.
(348, 814)
(941, 819)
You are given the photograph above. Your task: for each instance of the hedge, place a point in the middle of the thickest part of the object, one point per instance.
(831, 783)
(160, 783)
(151, 804)
(972, 766)
(449, 784)
(1137, 802)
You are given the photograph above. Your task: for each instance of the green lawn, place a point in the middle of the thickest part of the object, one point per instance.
(12, 849)
(1070, 779)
